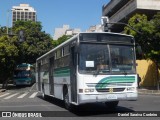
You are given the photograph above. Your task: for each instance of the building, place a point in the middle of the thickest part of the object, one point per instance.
(23, 12)
(65, 30)
(72, 31)
(122, 10)
(95, 28)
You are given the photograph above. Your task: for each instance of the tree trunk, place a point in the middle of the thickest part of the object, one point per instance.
(5, 83)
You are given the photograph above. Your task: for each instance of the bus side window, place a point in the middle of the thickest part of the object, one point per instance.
(73, 55)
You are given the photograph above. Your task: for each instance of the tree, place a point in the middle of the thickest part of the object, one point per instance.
(60, 40)
(36, 43)
(150, 37)
(8, 55)
(12, 52)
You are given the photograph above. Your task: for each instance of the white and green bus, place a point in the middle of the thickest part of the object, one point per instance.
(88, 68)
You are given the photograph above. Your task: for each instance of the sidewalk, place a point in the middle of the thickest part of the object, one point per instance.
(145, 91)
(3, 90)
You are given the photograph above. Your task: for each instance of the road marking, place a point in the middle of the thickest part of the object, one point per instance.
(4, 94)
(33, 95)
(24, 94)
(32, 87)
(11, 96)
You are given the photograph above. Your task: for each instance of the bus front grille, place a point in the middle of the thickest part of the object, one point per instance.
(110, 89)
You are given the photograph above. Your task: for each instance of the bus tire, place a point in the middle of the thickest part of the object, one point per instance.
(43, 96)
(43, 92)
(111, 105)
(67, 104)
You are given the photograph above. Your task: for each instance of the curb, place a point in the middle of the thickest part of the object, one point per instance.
(149, 92)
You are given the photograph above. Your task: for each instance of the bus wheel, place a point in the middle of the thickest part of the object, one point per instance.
(43, 92)
(112, 105)
(43, 95)
(67, 104)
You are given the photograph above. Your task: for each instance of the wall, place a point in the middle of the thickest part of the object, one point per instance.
(148, 4)
(147, 72)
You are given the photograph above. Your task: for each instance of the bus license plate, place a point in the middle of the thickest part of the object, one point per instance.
(111, 97)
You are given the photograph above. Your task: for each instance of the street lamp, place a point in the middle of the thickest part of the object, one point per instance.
(21, 36)
(105, 22)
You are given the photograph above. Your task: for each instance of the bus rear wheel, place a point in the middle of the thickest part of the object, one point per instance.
(43, 92)
(67, 104)
(111, 105)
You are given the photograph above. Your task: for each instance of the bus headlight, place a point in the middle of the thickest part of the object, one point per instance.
(88, 90)
(131, 89)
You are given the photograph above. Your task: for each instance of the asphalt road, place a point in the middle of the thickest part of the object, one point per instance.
(26, 98)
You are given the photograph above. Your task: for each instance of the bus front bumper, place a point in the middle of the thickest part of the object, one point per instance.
(91, 98)
(26, 82)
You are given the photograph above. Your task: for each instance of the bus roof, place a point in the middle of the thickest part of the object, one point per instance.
(23, 65)
(112, 33)
(72, 38)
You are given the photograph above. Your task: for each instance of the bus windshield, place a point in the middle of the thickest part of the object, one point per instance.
(21, 73)
(122, 58)
(103, 59)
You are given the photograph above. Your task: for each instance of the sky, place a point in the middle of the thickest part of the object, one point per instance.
(56, 13)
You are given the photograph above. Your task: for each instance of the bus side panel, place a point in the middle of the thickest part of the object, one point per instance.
(38, 76)
(61, 78)
(37, 83)
(59, 83)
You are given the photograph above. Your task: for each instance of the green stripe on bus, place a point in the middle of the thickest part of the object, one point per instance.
(61, 72)
(115, 79)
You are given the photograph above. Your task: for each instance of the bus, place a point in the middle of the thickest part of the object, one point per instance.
(24, 74)
(89, 68)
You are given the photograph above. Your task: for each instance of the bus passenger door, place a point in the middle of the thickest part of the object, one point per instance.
(73, 80)
(51, 77)
(39, 76)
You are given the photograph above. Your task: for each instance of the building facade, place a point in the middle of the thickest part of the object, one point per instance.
(23, 12)
(95, 28)
(65, 30)
(122, 10)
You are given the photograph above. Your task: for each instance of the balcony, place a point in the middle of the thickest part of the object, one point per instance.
(124, 11)
(113, 6)
(147, 7)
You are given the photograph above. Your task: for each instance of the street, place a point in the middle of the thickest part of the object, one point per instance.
(27, 99)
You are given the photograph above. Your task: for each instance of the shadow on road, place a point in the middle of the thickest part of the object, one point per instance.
(91, 109)
(14, 87)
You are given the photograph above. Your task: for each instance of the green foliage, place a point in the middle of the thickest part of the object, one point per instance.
(150, 37)
(8, 55)
(3, 30)
(36, 43)
(12, 52)
(60, 40)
